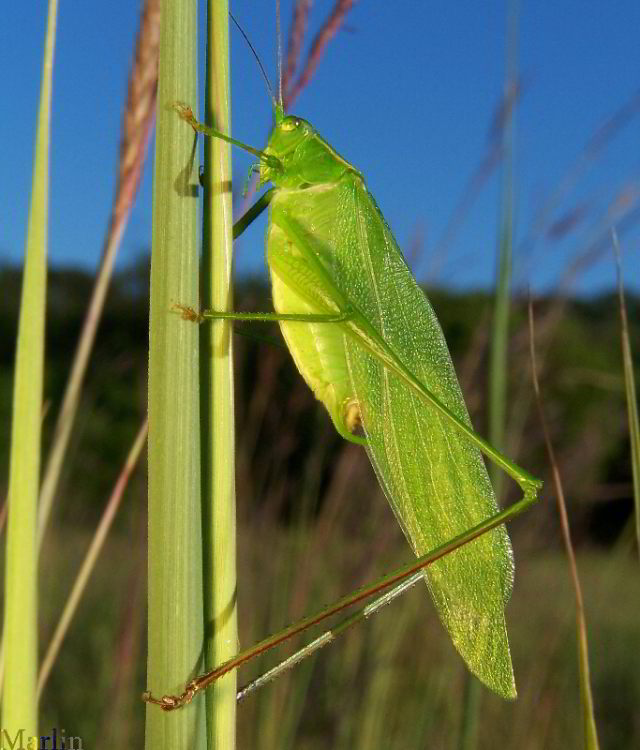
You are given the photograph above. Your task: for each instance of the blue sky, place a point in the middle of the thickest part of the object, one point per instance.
(406, 93)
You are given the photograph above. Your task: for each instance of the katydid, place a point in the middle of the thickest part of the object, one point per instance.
(366, 340)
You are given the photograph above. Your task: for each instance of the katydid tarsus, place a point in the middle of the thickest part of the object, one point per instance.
(366, 340)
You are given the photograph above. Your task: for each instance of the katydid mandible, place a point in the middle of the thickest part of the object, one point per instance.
(367, 341)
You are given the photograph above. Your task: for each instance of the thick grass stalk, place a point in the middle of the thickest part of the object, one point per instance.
(175, 625)
(218, 456)
(19, 706)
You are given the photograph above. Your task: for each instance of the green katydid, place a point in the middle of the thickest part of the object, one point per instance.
(366, 340)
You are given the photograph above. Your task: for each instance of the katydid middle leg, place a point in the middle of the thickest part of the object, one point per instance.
(188, 313)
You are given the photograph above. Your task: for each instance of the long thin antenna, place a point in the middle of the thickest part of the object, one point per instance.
(255, 54)
(279, 40)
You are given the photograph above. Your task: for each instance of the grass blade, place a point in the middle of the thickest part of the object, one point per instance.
(175, 626)
(217, 384)
(137, 128)
(586, 697)
(497, 395)
(630, 389)
(19, 708)
(218, 455)
(91, 557)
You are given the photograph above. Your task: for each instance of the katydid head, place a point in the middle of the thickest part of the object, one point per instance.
(296, 155)
(302, 155)
(288, 133)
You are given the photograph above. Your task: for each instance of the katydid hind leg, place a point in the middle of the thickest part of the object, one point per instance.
(188, 313)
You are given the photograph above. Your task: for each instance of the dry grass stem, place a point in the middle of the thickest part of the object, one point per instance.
(296, 38)
(139, 113)
(137, 127)
(590, 732)
(630, 388)
(330, 28)
(91, 557)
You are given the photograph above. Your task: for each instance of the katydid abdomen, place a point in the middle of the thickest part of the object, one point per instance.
(329, 250)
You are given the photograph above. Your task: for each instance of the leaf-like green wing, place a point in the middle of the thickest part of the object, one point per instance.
(330, 249)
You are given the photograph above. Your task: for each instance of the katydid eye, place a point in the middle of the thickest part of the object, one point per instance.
(289, 125)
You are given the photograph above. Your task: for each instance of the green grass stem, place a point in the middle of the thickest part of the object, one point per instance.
(19, 706)
(175, 624)
(218, 455)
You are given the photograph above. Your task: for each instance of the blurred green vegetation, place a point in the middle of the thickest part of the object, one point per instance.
(313, 524)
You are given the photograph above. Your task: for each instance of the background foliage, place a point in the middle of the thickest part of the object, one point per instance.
(313, 524)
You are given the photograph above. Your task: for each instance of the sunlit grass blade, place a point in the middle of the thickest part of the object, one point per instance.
(586, 697)
(630, 389)
(218, 454)
(19, 706)
(175, 625)
(91, 557)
